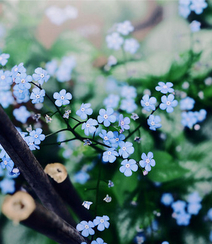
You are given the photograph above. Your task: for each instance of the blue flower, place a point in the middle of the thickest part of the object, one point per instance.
(7, 186)
(7, 163)
(107, 137)
(168, 103)
(81, 177)
(17, 70)
(62, 98)
(179, 206)
(84, 111)
(37, 95)
(20, 93)
(111, 101)
(37, 136)
(131, 45)
(201, 115)
(194, 208)
(128, 166)
(198, 5)
(3, 58)
(117, 138)
(154, 122)
(106, 116)
(125, 27)
(126, 148)
(187, 103)
(110, 155)
(51, 67)
(164, 87)
(114, 41)
(128, 92)
(21, 114)
(209, 214)
(31, 143)
(89, 126)
(194, 198)
(40, 76)
(86, 228)
(101, 222)
(98, 241)
(188, 119)
(165, 242)
(5, 79)
(6, 98)
(148, 103)
(23, 80)
(124, 122)
(147, 161)
(195, 26)
(128, 105)
(184, 11)
(183, 218)
(167, 199)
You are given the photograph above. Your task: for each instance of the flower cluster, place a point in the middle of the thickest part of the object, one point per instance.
(186, 6)
(116, 39)
(87, 227)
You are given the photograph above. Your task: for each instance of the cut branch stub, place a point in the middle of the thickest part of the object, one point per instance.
(66, 190)
(22, 208)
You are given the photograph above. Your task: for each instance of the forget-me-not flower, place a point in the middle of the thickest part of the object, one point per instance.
(198, 5)
(183, 218)
(7, 163)
(86, 228)
(40, 76)
(107, 137)
(114, 41)
(128, 92)
(128, 105)
(131, 45)
(106, 116)
(188, 119)
(117, 138)
(148, 103)
(168, 103)
(101, 222)
(110, 155)
(187, 103)
(62, 98)
(3, 58)
(128, 166)
(5, 79)
(167, 199)
(154, 122)
(6, 98)
(195, 26)
(89, 126)
(164, 87)
(17, 70)
(37, 136)
(125, 27)
(7, 186)
(147, 161)
(21, 114)
(37, 95)
(126, 148)
(23, 80)
(111, 101)
(84, 111)
(124, 122)
(98, 241)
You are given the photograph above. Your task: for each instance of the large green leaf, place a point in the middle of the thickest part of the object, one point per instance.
(166, 169)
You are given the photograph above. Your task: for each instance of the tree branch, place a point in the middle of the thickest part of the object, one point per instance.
(30, 168)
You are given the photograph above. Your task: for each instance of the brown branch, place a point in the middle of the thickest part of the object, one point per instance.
(30, 168)
(66, 190)
(22, 208)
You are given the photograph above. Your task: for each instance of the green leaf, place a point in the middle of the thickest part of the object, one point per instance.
(166, 169)
(124, 186)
